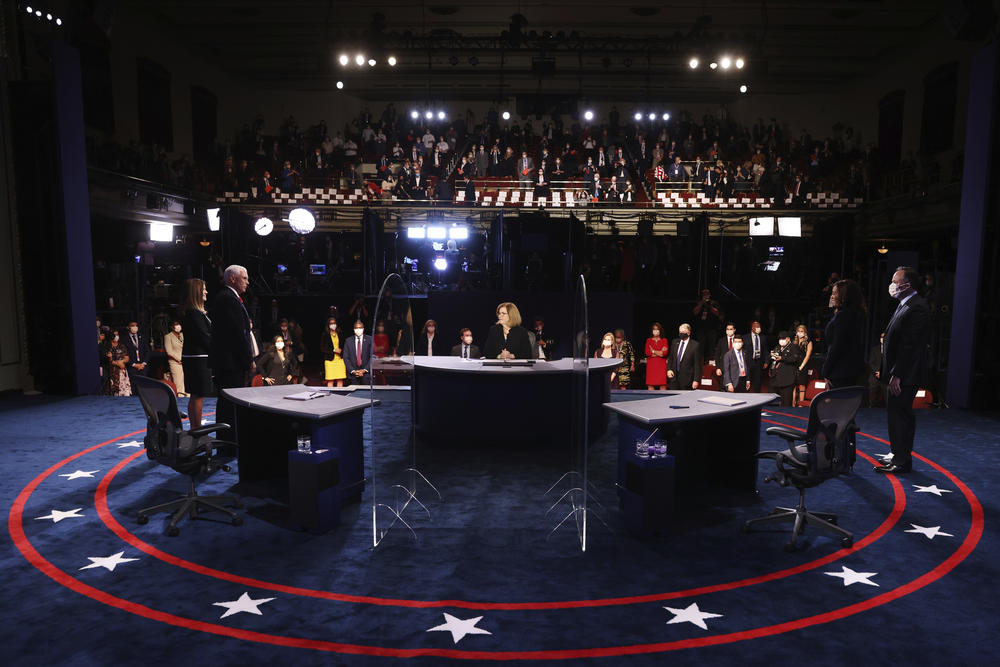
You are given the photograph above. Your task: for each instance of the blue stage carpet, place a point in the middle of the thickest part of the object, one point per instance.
(485, 580)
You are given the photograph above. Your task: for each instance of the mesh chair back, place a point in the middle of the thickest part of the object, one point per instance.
(831, 431)
(164, 430)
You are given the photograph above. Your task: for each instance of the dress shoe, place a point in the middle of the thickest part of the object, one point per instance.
(893, 469)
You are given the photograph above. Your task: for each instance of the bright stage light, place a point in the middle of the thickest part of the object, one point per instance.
(414, 114)
(652, 116)
(429, 115)
(344, 59)
(740, 63)
(392, 61)
(38, 13)
(789, 226)
(437, 233)
(340, 85)
(713, 65)
(761, 226)
(693, 63)
(666, 116)
(458, 233)
(588, 115)
(301, 221)
(638, 115)
(161, 231)
(58, 21)
(726, 62)
(743, 88)
(213, 219)
(506, 115)
(440, 263)
(359, 59)
(371, 62)
(263, 226)
(30, 10)
(441, 115)
(416, 233)
(48, 16)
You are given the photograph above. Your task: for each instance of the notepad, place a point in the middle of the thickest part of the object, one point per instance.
(722, 400)
(305, 395)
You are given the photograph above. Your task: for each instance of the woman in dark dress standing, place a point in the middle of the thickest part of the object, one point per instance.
(277, 366)
(846, 357)
(197, 341)
(507, 339)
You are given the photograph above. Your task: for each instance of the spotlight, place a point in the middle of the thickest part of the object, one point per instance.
(790, 226)
(458, 233)
(693, 63)
(761, 226)
(743, 88)
(344, 59)
(441, 115)
(440, 263)
(666, 116)
(652, 116)
(58, 21)
(48, 16)
(371, 62)
(161, 231)
(30, 10)
(263, 226)
(340, 85)
(414, 114)
(740, 63)
(882, 249)
(713, 65)
(213, 219)
(391, 61)
(301, 221)
(638, 115)
(726, 62)
(588, 115)
(38, 13)
(416, 232)
(438, 233)
(359, 59)
(505, 115)
(429, 115)
(204, 243)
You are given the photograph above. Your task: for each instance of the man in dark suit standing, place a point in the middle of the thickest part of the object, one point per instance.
(465, 348)
(736, 368)
(357, 353)
(231, 352)
(684, 360)
(904, 366)
(138, 350)
(758, 354)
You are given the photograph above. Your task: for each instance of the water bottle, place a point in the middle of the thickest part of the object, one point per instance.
(305, 444)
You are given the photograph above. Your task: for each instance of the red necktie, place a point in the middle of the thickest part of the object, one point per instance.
(730, 343)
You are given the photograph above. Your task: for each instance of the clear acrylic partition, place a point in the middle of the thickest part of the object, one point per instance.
(394, 480)
(570, 492)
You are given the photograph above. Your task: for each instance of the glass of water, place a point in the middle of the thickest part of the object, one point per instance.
(305, 444)
(641, 448)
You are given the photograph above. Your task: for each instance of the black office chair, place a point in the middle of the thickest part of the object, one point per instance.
(190, 452)
(827, 450)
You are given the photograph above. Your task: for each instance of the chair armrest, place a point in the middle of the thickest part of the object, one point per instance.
(786, 433)
(208, 428)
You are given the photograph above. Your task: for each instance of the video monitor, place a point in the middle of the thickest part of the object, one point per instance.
(317, 269)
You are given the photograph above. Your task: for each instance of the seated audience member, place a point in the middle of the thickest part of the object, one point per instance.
(465, 348)
(277, 365)
(628, 194)
(785, 360)
(358, 355)
(736, 368)
(507, 339)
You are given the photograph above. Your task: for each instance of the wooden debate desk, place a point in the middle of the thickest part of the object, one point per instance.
(455, 398)
(268, 424)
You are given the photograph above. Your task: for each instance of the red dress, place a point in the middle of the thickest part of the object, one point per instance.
(656, 367)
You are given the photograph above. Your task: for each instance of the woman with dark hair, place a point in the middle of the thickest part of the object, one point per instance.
(335, 371)
(846, 354)
(118, 381)
(173, 345)
(657, 348)
(197, 341)
(277, 366)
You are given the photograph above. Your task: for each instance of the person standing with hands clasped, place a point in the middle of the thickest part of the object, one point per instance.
(334, 369)
(358, 355)
(231, 355)
(784, 367)
(657, 349)
(507, 339)
(736, 368)
(904, 366)
(684, 362)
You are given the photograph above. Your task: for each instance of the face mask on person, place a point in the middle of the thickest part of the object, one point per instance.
(333, 327)
(467, 340)
(430, 330)
(783, 342)
(115, 338)
(737, 345)
(607, 342)
(133, 329)
(279, 345)
(683, 335)
(380, 330)
(895, 290)
(656, 332)
(359, 332)
(177, 328)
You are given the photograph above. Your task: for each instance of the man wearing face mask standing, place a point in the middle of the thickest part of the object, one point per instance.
(231, 353)
(138, 350)
(684, 362)
(358, 355)
(904, 366)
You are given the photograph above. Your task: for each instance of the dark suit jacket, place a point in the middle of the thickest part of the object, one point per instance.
(722, 346)
(731, 368)
(197, 333)
(438, 346)
(456, 351)
(765, 351)
(138, 355)
(906, 337)
(690, 365)
(350, 353)
(785, 369)
(517, 343)
(230, 349)
(845, 347)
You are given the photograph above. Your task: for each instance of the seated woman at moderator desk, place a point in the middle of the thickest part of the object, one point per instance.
(277, 366)
(507, 338)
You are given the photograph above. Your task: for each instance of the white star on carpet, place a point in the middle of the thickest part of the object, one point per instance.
(691, 614)
(851, 577)
(79, 473)
(460, 627)
(929, 532)
(59, 515)
(930, 489)
(245, 603)
(133, 443)
(109, 563)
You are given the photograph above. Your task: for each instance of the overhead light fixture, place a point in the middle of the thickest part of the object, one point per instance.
(882, 250)
(58, 21)
(161, 231)
(666, 116)
(392, 61)
(371, 62)
(652, 116)
(588, 115)
(429, 115)
(414, 114)
(437, 233)
(693, 63)
(744, 88)
(506, 115)
(263, 226)
(416, 232)
(38, 13)
(213, 219)
(713, 65)
(48, 16)
(204, 243)
(726, 62)
(344, 59)
(638, 115)
(340, 85)
(359, 59)
(440, 263)
(30, 10)
(458, 233)
(740, 63)
(441, 115)
(301, 221)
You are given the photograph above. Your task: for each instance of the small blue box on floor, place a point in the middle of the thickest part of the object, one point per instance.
(314, 489)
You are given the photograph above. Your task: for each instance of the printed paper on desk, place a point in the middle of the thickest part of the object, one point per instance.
(722, 400)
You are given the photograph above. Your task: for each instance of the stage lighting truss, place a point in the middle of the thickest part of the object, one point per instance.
(40, 14)
(301, 220)
(724, 61)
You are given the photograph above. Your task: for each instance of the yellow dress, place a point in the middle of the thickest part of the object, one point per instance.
(335, 369)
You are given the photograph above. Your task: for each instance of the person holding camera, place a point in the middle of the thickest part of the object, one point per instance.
(785, 359)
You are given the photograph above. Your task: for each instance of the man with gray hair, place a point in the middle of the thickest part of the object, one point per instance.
(231, 352)
(684, 360)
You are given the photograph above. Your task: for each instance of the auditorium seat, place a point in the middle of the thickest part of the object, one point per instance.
(813, 389)
(924, 399)
(709, 380)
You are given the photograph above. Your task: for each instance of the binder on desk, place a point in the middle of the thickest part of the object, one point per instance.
(722, 400)
(305, 395)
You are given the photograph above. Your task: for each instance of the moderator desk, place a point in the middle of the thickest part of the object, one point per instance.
(463, 398)
(267, 425)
